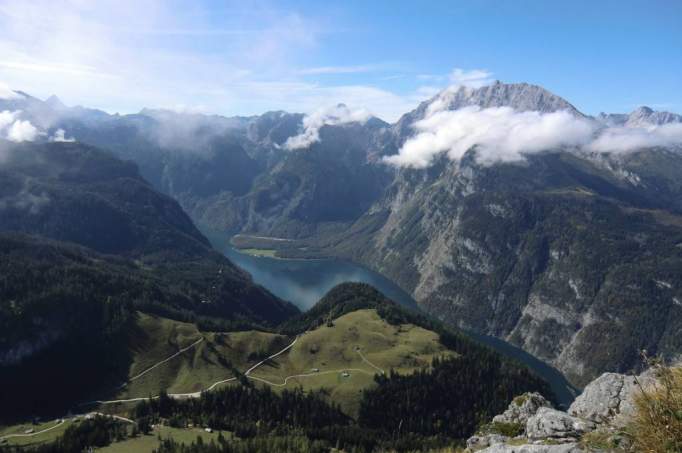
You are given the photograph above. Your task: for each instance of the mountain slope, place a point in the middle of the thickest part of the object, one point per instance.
(557, 253)
(99, 244)
(234, 174)
(554, 255)
(536, 252)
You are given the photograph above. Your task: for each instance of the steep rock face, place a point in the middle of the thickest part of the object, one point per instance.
(609, 398)
(554, 254)
(327, 185)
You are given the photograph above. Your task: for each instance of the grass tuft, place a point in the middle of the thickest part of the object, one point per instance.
(657, 425)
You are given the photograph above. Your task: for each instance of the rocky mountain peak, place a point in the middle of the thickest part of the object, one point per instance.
(519, 96)
(640, 117)
(55, 103)
(646, 116)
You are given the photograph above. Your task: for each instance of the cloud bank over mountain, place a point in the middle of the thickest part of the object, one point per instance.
(499, 134)
(624, 139)
(502, 134)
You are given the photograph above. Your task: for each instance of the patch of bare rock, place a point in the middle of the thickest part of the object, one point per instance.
(593, 423)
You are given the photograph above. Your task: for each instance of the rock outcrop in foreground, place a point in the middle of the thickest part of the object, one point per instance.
(592, 423)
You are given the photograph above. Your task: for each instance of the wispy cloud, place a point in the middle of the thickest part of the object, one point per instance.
(337, 70)
(625, 139)
(6, 92)
(330, 116)
(474, 78)
(128, 54)
(73, 70)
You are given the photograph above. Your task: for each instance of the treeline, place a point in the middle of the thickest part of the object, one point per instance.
(432, 408)
(69, 310)
(265, 444)
(245, 410)
(452, 399)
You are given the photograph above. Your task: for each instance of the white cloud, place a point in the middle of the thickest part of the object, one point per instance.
(232, 61)
(6, 92)
(499, 134)
(312, 124)
(475, 78)
(22, 131)
(59, 136)
(16, 130)
(7, 118)
(624, 139)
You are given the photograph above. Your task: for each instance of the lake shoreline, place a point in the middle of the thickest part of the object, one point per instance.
(304, 281)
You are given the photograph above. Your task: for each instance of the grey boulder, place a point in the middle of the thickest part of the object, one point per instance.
(550, 423)
(610, 398)
(522, 408)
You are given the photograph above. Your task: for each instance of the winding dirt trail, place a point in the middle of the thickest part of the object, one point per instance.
(61, 421)
(164, 361)
(193, 394)
(293, 376)
(247, 373)
(368, 362)
(316, 373)
(11, 436)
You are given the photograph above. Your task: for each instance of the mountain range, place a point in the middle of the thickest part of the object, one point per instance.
(570, 252)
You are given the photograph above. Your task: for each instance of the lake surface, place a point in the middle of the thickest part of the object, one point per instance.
(304, 282)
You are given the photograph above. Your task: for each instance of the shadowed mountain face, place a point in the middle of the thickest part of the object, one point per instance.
(71, 192)
(559, 253)
(137, 247)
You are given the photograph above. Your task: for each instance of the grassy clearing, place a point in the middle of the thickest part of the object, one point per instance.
(331, 350)
(209, 361)
(38, 439)
(147, 443)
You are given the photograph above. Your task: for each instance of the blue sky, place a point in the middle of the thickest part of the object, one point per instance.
(248, 57)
